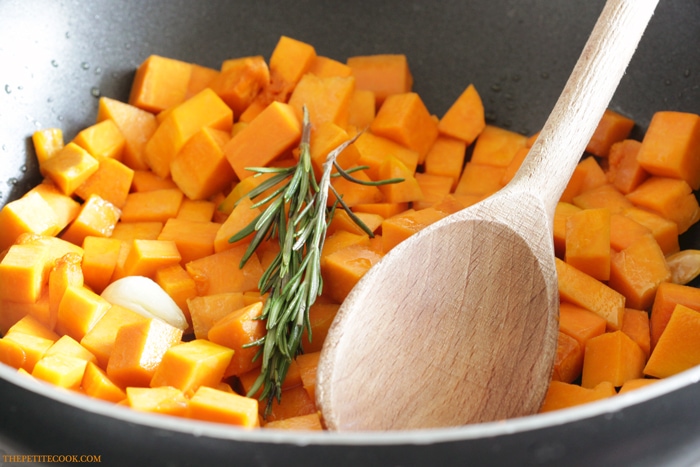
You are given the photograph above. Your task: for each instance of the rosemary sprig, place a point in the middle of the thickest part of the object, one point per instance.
(297, 216)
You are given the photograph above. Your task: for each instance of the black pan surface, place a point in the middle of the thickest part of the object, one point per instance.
(57, 58)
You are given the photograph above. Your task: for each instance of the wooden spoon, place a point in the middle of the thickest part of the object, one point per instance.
(458, 324)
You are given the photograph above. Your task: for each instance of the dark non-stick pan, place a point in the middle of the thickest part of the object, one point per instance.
(57, 58)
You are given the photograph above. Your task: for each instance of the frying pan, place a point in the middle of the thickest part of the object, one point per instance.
(57, 58)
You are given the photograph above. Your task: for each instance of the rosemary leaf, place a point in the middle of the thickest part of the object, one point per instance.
(297, 216)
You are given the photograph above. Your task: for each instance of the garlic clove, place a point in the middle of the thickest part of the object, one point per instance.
(145, 297)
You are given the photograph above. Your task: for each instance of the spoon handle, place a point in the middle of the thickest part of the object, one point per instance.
(586, 95)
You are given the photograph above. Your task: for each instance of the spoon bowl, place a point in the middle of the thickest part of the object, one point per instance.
(458, 324)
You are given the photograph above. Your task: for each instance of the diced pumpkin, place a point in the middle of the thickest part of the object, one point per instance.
(433, 187)
(243, 214)
(136, 125)
(66, 271)
(111, 182)
(194, 239)
(562, 212)
(205, 109)
(138, 350)
(636, 326)
(28, 214)
(147, 256)
(65, 207)
(293, 402)
(47, 143)
(196, 210)
(70, 168)
(592, 174)
(583, 290)
(465, 118)
(97, 218)
(22, 273)
(102, 140)
(446, 158)
(624, 171)
(325, 67)
(671, 147)
(480, 179)
(568, 360)
(612, 128)
(192, 364)
(276, 130)
(79, 310)
(99, 261)
(160, 83)
(320, 318)
(326, 137)
(668, 295)
(624, 231)
(179, 285)
(664, 231)
(327, 99)
(562, 395)
(344, 268)
(678, 348)
(207, 310)
(579, 323)
(374, 150)
(400, 192)
(200, 77)
(398, 228)
(64, 371)
(309, 422)
(145, 180)
(611, 357)
(383, 74)
(671, 198)
(11, 354)
(637, 271)
(362, 109)
(200, 169)
(152, 206)
(240, 81)
(588, 242)
(354, 193)
(497, 146)
(99, 340)
(165, 400)
(603, 196)
(214, 405)
(308, 363)
(220, 272)
(289, 61)
(632, 384)
(97, 384)
(33, 346)
(404, 119)
(236, 330)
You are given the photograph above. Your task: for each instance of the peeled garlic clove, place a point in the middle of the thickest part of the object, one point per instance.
(684, 266)
(145, 297)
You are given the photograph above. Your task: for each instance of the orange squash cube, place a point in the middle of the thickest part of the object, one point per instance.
(80, 309)
(236, 330)
(160, 83)
(192, 364)
(200, 169)
(465, 118)
(102, 140)
(97, 218)
(214, 405)
(138, 350)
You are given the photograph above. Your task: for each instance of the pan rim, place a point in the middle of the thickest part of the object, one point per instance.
(607, 408)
